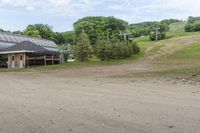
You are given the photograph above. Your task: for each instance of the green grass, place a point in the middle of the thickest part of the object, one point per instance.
(170, 35)
(187, 55)
(176, 72)
(186, 61)
(142, 40)
(144, 43)
(156, 48)
(177, 27)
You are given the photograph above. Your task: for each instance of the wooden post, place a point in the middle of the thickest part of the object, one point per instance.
(52, 60)
(24, 60)
(27, 60)
(45, 62)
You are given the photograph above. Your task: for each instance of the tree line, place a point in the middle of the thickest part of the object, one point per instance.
(148, 28)
(99, 26)
(193, 24)
(44, 31)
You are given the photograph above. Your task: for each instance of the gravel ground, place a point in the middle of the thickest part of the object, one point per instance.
(57, 102)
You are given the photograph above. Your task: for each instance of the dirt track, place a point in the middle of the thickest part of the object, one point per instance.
(88, 100)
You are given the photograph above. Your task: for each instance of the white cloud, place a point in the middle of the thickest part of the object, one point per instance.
(129, 10)
(1, 21)
(59, 3)
(161, 9)
(116, 7)
(27, 4)
(30, 8)
(188, 7)
(78, 6)
(14, 2)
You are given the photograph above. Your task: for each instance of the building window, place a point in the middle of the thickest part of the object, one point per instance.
(13, 58)
(21, 57)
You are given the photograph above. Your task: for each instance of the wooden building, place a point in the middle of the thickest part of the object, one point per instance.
(23, 51)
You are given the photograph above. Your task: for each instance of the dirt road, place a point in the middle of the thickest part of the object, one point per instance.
(88, 100)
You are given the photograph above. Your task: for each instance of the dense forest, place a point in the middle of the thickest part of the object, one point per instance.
(193, 24)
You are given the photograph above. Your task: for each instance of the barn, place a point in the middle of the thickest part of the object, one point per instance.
(22, 51)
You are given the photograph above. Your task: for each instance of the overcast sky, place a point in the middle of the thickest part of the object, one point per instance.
(61, 14)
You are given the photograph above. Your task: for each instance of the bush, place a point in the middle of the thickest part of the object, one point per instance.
(134, 49)
(193, 24)
(194, 27)
(161, 32)
(160, 36)
(118, 50)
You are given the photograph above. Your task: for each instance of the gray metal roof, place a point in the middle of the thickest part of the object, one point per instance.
(27, 47)
(13, 38)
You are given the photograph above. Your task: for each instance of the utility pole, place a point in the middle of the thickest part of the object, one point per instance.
(156, 29)
(74, 37)
(124, 35)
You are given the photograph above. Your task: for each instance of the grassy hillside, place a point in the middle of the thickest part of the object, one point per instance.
(179, 48)
(69, 36)
(188, 55)
(177, 27)
(178, 55)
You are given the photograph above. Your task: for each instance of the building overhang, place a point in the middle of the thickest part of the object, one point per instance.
(15, 52)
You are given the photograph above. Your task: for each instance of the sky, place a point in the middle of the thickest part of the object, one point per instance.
(61, 14)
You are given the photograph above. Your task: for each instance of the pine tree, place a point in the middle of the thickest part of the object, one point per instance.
(83, 47)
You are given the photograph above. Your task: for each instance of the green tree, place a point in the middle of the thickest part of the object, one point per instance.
(102, 48)
(31, 31)
(161, 32)
(99, 26)
(69, 37)
(83, 47)
(169, 21)
(193, 24)
(18, 32)
(2, 30)
(141, 29)
(45, 31)
(109, 49)
(145, 28)
(58, 38)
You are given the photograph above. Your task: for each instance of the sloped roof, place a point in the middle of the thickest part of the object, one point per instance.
(14, 38)
(26, 47)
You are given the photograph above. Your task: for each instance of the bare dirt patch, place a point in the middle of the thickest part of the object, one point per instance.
(49, 103)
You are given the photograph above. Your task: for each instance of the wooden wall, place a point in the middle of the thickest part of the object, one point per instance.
(16, 63)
